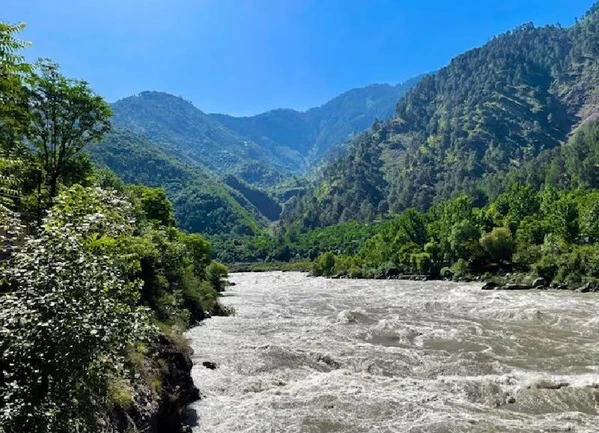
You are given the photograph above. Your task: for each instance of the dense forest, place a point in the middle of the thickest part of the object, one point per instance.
(96, 281)
(312, 134)
(488, 167)
(227, 175)
(493, 110)
(264, 149)
(527, 232)
(203, 204)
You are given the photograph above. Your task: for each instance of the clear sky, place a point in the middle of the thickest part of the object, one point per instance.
(247, 56)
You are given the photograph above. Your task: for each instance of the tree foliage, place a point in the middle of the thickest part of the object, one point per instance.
(65, 116)
(495, 115)
(67, 316)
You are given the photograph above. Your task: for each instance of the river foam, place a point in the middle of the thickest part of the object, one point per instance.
(316, 355)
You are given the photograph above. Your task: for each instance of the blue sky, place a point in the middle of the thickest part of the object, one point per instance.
(247, 56)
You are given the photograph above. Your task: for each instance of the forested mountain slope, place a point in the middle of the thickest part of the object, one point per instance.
(310, 134)
(491, 110)
(262, 149)
(185, 131)
(202, 203)
(213, 166)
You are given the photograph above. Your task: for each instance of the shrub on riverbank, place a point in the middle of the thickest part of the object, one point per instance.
(79, 296)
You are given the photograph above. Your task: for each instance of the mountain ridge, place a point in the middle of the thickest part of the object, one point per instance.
(491, 110)
(282, 141)
(320, 128)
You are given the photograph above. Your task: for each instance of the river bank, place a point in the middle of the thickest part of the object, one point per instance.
(160, 400)
(510, 281)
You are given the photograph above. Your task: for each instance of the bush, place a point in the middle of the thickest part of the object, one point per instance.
(68, 318)
(498, 244)
(216, 273)
(324, 265)
(460, 269)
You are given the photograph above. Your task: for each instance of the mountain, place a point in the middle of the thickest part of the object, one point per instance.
(262, 149)
(215, 167)
(203, 204)
(185, 131)
(309, 135)
(491, 111)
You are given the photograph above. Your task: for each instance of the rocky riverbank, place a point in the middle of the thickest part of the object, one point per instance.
(542, 284)
(160, 401)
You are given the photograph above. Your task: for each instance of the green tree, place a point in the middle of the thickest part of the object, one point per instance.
(13, 101)
(217, 274)
(154, 204)
(464, 241)
(67, 318)
(324, 265)
(65, 115)
(498, 244)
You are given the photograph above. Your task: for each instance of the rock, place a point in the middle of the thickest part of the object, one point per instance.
(552, 385)
(588, 288)
(516, 286)
(540, 287)
(392, 273)
(328, 361)
(540, 282)
(210, 365)
(562, 287)
(490, 286)
(162, 410)
(511, 400)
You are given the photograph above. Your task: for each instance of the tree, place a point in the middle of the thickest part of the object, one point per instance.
(13, 111)
(155, 205)
(13, 107)
(67, 316)
(65, 115)
(216, 274)
(498, 244)
(324, 265)
(463, 240)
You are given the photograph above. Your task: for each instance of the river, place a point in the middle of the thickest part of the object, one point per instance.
(316, 355)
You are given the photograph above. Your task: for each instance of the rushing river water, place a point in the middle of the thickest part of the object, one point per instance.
(314, 355)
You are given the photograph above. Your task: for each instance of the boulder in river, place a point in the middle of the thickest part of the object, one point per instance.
(516, 286)
(545, 384)
(588, 288)
(540, 282)
(490, 286)
(210, 365)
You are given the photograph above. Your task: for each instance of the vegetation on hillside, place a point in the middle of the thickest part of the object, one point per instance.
(202, 203)
(546, 228)
(310, 135)
(550, 234)
(93, 273)
(492, 110)
(184, 131)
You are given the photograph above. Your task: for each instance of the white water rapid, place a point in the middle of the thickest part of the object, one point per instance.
(315, 355)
